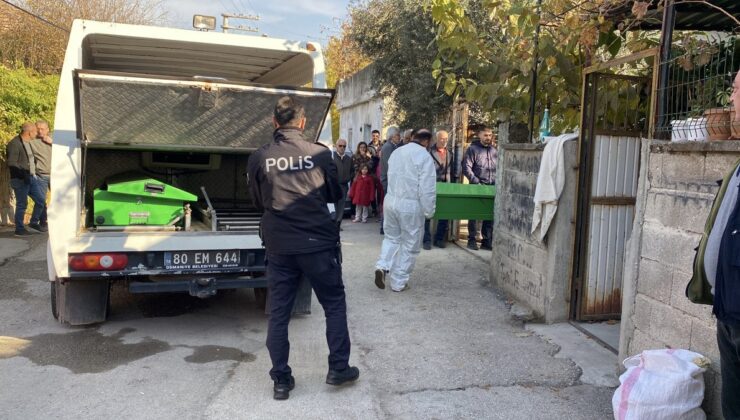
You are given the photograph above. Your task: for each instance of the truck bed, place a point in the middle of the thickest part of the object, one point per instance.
(225, 186)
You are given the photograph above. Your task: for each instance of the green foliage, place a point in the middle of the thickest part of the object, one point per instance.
(487, 52)
(399, 36)
(24, 96)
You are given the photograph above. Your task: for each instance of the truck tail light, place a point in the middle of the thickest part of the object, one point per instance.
(98, 262)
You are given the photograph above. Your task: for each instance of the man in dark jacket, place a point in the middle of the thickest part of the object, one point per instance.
(344, 172)
(442, 159)
(479, 166)
(291, 181)
(726, 283)
(393, 142)
(19, 156)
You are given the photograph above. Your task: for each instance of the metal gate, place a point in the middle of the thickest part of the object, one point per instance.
(616, 115)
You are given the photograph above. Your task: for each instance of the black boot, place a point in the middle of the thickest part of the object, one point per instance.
(282, 388)
(339, 377)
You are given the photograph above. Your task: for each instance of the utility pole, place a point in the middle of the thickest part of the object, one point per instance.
(226, 27)
(535, 63)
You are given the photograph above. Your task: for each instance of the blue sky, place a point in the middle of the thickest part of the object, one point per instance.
(291, 19)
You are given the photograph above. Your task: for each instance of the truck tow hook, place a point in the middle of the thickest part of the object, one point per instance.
(203, 287)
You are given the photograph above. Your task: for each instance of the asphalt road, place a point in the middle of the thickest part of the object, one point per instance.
(445, 349)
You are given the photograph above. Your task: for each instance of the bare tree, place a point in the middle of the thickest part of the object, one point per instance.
(38, 39)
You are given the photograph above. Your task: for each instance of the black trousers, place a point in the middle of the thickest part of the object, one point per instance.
(486, 232)
(340, 204)
(324, 271)
(728, 339)
(439, 235)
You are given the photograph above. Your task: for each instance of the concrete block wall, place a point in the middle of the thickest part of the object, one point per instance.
(676, 193)
(534, 273)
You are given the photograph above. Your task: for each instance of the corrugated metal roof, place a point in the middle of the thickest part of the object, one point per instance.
(689, 16)
(189, 59)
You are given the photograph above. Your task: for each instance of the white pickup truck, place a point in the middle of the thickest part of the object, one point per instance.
(182, 109)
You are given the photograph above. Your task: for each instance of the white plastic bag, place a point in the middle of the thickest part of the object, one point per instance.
(661, 384)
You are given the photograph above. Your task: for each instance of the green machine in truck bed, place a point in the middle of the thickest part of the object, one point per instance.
(464, 201)
(138, 200)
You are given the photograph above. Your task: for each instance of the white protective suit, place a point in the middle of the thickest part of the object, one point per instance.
(411, 198)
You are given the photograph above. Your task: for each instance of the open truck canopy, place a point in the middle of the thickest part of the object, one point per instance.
(143, 111)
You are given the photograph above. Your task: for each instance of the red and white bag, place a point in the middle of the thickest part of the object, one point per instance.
(661, 384)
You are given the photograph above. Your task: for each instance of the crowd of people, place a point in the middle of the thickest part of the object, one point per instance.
(395, 180)
(364, 178)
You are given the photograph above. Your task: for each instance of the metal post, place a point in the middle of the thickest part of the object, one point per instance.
(453, 171)
(226, 27)
(666, 39)
(535, 64)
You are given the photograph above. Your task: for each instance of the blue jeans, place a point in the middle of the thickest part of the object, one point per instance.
(22, 191)
(41, 183)
(439, 235)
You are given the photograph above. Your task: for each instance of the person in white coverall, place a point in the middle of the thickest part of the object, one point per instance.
(411, 198)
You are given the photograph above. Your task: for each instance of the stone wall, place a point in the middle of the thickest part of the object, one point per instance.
(677, 187)
(533, 273)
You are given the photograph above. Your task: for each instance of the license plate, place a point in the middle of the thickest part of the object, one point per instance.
(196, 260)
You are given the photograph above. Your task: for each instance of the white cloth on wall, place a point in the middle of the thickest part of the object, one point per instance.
(550, 183)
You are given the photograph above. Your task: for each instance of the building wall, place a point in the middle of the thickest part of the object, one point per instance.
(357, 119)
(359, 108)
(677, 187)
(536, 274)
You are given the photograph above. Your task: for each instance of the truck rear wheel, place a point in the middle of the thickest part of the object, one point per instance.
(80, 302)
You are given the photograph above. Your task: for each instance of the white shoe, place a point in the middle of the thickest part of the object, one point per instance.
(405, 287)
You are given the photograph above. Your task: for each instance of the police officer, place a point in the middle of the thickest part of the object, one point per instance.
(291, 182)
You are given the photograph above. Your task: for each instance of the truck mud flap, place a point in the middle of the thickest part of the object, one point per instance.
(81, 302)
(302, 305)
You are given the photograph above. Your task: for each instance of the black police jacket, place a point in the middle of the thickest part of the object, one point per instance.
(291, 181)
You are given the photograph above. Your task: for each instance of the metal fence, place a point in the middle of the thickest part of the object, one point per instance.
(697, 96)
